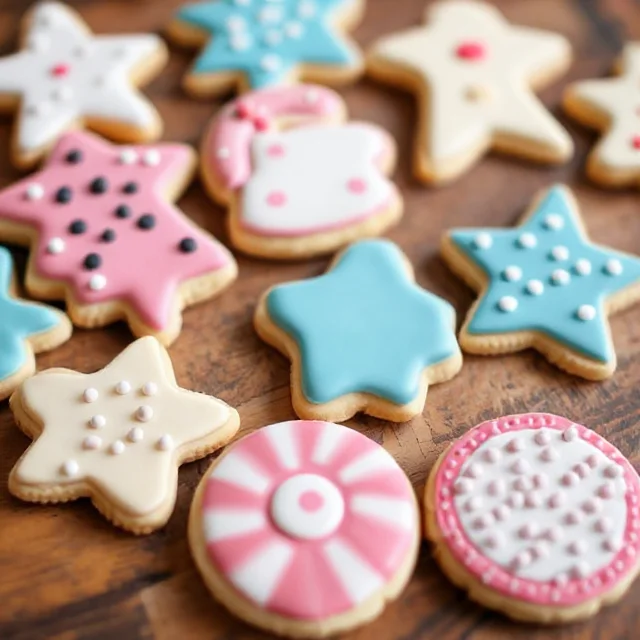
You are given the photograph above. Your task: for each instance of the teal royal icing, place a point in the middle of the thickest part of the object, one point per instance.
(265, 39)
(364, 326)
(18, 320)
(576, 277)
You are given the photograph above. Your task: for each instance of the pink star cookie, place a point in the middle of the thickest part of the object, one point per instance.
(107, 238)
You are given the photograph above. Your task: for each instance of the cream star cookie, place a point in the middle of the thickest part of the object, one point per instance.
(64, 77)
(474, 74)
(116, 436)
(612, 106)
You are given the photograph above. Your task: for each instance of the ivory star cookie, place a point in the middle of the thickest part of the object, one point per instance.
(107, 238)
(474, 74)
(535, 516)
(305, 529)
(64, 77)
(298, 180)
(26, 328)
(544, 285)
(362, 337)
(116, 436)
(253, 44)
(610, 105)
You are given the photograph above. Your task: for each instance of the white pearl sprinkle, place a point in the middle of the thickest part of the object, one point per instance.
(97, 282)
(90, 394)
(542, 437)
(613, 471)
(311, 96)
(473, 503)
(117, 448)
(592, 505)
(55, 246)
(580, 569)
(507, 304)
(151, 158)
(144, 413)
(223, 153)
(520, 466)
(236, 23)
(306, 9)
(70, 468)
(603, 524)
(463, 486)
(611, 545)
(560, 277)
(270, 14)
(515, 444)
(240, 42)
(270, 62)
(549, 454)
(613, 267)
(527, 240)
(272, 38)
(560, 252)
(557, 499)
(515, 500)
(165, 442)
(586, 312)
(496, 487)
(535, 287)
(38, 42)
(494, 540)
(528, 530)
(38, 109)
(483, 240)
(570, 479)
(573, 517)
(293, 29)
(62, 94)
(34, 191)
(97, 421)
(553, 221)
(553, 534)
(135, 435)
(501, 512)
(533, 499)
(92, 442)
(512, 273)
(570, 434)
(149, 389)
(123, 387)
(473, 470)
(128, 156)
(583, 267)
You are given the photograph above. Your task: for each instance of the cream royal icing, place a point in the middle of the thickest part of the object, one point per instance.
(540, 509)
(310, 178)
(308, 519)
(65, 74)
(477, 70)
(121, 430)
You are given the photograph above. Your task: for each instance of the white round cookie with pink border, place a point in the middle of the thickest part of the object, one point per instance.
(305, 527)
(536, 516)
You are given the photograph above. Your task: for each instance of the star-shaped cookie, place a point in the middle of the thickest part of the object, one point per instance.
(544, 285)
(116, 436)
(611, 106)
(107, 238)
(362, 337)
(26, 328)
(254, 44)
(65, 77)
(474, 74)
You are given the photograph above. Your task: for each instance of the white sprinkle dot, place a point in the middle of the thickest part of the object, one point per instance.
(520, 466)
(240, 42)
(311, 96)
(270, 14)
(570, 479)
(293, 29)
(507, 304)
(92, 442)
(34, 191)
(62, 94)
(151, 158)
(535, 287)
(223, 153)
(512, 273)
(236, 23)
(463, 486)
(483, 240)
(56, 245)
(515, 444)
(97, 282)
(553, 221)
(123, 387)
(527, 240)
(586, 312)
(613, 471)
(128, 156)
(560, 277)
(583, 267)
(306, 9)
(165, 442)
(560, 252)
(542, 437)
(580, 570)
(135, 435)
(270, 62)
(70, 468)
(549, 454)
(117, 448)
(272, 38)
(613, 267)
(144, 413)
(90, 395)
(97, 422)
(492, 455)
(149, 388)
(570, 434)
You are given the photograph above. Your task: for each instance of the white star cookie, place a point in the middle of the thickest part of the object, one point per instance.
(116, 436)
(612, 106)
(474, 74)
(64, 77)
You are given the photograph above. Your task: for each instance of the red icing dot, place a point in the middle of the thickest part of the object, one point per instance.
(635, 142)
(471, 50)
(276, 198)
(60, 70)
(261, 123)
(243, 110)
(357, 185)
(275, 151)
(310, 501)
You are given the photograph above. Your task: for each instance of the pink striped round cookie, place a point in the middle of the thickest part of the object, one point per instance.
(305, 528)
(536, 516)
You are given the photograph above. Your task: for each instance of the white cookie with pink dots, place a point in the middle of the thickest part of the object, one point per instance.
(536, 516)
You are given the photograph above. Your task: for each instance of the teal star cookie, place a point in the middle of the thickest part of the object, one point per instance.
(362, 337)
(544, 285)
(25, 328)
(260, 43)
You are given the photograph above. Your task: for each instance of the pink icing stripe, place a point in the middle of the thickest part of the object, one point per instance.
(222, 494)
(228, 142)
(231, 553)
(572, 592)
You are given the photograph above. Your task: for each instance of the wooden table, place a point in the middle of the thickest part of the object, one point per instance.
(67, 573)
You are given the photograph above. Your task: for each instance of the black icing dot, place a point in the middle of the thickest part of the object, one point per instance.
(64, 195)
(99, 185)
(108, 235)
(188, 245)
(78, 226)
(123, 211)
(74, 156)
(147, 221)
(130, 187)
(92, 261)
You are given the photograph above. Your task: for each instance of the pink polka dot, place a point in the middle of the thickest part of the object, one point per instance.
(276, 199)
(310, 501)
(635, 142)
(471, 50)
(275, 151)
(60, 70)
(357, 185)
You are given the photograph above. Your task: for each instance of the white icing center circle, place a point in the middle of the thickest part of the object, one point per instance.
(307, 506)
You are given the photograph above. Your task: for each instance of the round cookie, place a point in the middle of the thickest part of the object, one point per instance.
(535, 516)
(305, 528)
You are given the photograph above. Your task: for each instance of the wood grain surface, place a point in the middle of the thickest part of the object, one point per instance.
(67, 573)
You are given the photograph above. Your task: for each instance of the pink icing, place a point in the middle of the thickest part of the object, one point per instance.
(238, 121)
(635, 142)
(471, 50)
(308, 587)
(143, 268)
(573, 591)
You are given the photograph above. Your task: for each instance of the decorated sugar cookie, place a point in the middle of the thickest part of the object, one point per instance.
(535, 516)
(64, 77)
(116, 436)
(474, 75)
(611, 106)
(26, 328)
(254, 44)
(544, 285)
(297, 180)
(362, 337)
(305, 529)
(107, 238)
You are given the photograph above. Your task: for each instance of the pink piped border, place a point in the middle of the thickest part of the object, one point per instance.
(574, 591)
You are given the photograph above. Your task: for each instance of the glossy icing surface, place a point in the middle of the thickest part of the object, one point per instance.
(308, 519)
(364, 326)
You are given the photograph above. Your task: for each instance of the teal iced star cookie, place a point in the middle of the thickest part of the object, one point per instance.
(544, 285)
(261, 43)
(25, 328)
(362, 337)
